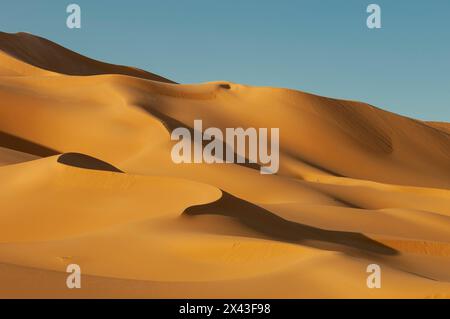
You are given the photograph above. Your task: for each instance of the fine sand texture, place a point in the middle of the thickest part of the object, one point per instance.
(87, 178)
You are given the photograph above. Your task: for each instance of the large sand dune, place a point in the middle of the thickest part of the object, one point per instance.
(87, 178)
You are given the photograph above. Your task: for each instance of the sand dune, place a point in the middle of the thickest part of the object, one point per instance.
(44, 55)
(443, 126)
(87, 178)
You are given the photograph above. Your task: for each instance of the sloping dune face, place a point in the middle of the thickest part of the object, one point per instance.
(87, 178)
(43, 55)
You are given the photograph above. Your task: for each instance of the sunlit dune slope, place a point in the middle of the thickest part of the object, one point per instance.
(443, 126)
(356, 140)
(44, 54)
(87, 178)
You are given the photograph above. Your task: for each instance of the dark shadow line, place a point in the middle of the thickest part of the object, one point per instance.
(25, 146)
(87, 162)
(171, 124)
(275, 227)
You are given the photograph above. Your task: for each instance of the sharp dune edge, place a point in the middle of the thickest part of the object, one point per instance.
(87, 178)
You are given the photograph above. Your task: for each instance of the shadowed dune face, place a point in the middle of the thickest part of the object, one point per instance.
(87, 162)
(9, 156)
(87, 178)
(25, 146)
(277, 228)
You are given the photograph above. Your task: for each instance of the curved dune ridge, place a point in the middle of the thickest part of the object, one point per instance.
(87, 178)
(42, 55)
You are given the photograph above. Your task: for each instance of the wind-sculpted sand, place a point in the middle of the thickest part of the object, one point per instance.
(87, 178)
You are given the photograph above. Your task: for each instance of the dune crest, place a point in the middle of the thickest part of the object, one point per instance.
(87, 178)
(44, 54)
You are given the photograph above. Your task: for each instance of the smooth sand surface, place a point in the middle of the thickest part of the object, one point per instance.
(87, 178)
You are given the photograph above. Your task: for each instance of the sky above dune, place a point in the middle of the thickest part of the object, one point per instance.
(323, 47)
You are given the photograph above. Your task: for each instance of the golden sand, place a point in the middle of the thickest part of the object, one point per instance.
(357, 185)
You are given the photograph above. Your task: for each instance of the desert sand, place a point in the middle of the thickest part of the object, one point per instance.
(87, 178)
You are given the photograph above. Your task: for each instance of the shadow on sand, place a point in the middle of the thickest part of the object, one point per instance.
(275, 227)
(87, 162)
(22, 145)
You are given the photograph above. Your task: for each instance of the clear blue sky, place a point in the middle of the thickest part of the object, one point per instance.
(319, 46)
